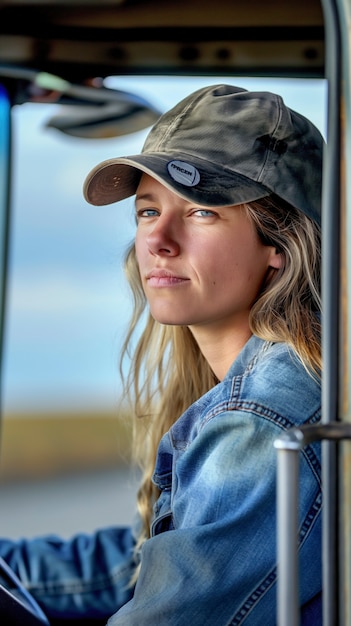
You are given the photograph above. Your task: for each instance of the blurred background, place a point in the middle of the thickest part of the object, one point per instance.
(65, 457)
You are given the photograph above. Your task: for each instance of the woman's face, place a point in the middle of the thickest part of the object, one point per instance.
(199, 266)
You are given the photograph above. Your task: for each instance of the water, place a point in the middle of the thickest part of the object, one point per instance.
(69, 504)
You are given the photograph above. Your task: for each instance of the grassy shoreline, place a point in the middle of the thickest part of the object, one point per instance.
(46, 445)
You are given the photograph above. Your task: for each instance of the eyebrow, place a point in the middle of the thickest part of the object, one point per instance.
(145, 196)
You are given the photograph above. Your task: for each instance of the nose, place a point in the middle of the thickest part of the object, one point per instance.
(163, 240)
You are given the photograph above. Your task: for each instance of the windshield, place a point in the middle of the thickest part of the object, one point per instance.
(68, 307)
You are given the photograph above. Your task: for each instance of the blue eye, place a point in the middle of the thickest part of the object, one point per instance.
(204, 212)
(146, 213)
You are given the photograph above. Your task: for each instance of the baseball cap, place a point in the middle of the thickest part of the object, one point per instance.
(222, 146)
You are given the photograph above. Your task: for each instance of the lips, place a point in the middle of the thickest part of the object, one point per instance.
(164, 278)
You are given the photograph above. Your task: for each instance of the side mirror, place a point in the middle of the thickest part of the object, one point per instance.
(88, 111)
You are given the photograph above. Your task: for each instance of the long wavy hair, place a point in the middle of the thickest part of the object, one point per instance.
(167, 370)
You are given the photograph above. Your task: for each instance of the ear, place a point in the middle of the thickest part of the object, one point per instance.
(276, 259)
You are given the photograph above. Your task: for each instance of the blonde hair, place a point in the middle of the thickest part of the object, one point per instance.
(167, 370)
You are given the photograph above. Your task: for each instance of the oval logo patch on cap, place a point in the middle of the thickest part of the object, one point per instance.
(183, 173)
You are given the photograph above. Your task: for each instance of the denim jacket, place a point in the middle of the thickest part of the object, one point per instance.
(211, 559)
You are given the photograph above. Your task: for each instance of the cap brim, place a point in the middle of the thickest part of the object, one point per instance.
(116, 179)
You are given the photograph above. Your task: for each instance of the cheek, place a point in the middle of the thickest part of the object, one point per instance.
(141, 261)
(224, 261)
(237, 264)
(139, 250)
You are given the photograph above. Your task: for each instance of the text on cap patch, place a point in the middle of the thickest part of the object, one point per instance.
(183, 173)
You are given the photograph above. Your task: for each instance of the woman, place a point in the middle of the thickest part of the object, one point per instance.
(226, 259)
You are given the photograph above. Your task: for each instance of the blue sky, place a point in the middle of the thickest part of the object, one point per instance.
(68, 305)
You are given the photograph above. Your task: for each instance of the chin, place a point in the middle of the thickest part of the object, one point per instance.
(166, 321)
(169, 316)
(169, 320)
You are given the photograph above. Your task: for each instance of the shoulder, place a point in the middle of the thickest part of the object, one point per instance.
(267, 384)
(272, 377)
(270, 362)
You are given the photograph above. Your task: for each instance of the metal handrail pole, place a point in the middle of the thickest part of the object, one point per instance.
(288, 447)
(287, 536)
(331, 291)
